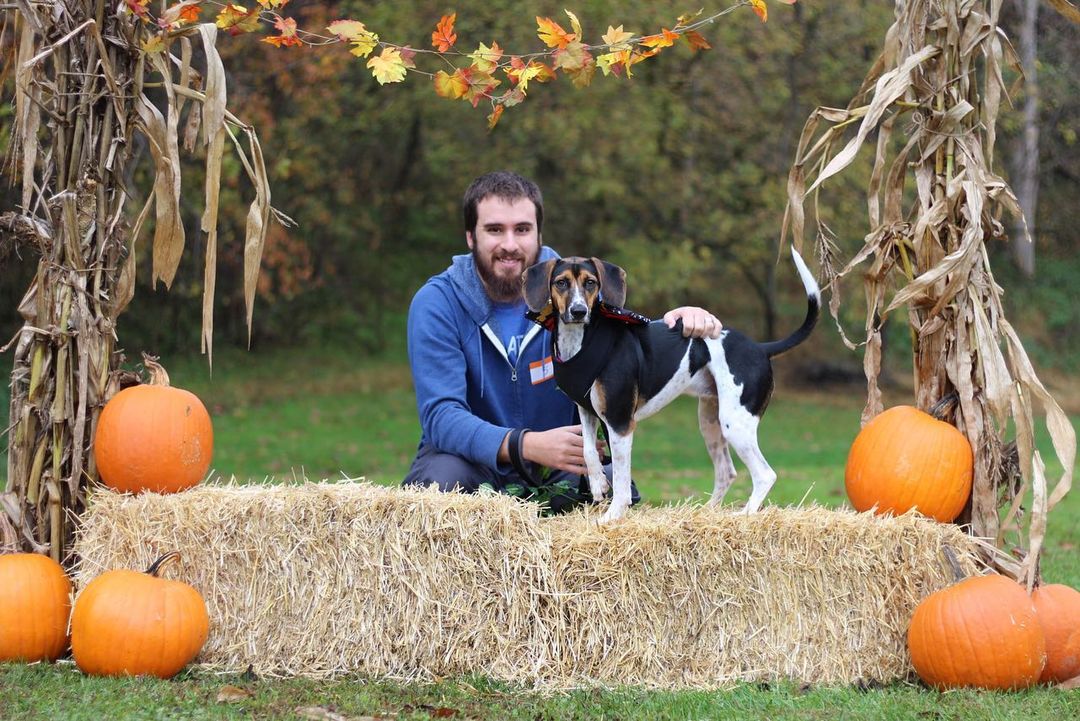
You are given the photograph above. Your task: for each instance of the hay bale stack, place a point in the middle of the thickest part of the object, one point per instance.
(696, 596)
(325, 579)
(322, 579)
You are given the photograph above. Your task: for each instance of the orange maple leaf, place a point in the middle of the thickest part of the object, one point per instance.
(180, 14)
(453, 86)
(665, 39)
(696, 40)
(493, 119)
(552, 34)
(577, 63)
(287, 29)
(761, 9)
(237, 19)
(444, 36)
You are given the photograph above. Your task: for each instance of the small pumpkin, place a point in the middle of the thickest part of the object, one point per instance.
(905, 458)
(980, 632)
(127, 623)
(153, 437)
(1057, 607)
(35, 600)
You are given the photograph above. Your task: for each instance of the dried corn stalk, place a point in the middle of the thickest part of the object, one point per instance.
(939, 79)
(80, 81)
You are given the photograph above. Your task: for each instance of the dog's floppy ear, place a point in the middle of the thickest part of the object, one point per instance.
(536, 285)
(612, 282)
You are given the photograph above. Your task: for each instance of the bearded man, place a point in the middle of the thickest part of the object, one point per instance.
(483, 372)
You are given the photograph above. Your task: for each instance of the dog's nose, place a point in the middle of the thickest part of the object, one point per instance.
(578, 312)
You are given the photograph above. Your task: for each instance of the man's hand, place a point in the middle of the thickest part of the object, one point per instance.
(561, 448)
(696, 322)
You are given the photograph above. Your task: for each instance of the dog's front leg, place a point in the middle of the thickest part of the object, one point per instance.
(598, 482)
(621, 446)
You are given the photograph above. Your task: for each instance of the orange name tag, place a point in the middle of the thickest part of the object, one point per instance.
(541, 370)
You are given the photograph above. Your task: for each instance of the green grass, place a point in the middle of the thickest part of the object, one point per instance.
(298, 414)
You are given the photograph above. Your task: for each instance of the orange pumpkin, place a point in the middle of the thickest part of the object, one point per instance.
(1058, 609)
(127, 623)
(35, 600)
(153, 437)
(905, 458)
(981, 632)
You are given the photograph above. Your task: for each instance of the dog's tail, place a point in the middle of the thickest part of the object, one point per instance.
(813, 309)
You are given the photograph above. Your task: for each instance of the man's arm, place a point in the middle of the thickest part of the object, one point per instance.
(439, 377)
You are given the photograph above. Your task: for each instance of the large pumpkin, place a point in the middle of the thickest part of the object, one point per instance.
(981, 632)
(153, 437)
(127, 623)
(35, 600)
(905, 458)
(1058, 609)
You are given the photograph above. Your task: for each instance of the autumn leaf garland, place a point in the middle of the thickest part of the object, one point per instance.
(564, 50)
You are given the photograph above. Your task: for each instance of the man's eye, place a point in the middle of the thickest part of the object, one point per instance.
(524, 229)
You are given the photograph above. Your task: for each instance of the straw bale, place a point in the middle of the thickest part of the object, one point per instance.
(324, 579)
(696, 596)
(321, 579)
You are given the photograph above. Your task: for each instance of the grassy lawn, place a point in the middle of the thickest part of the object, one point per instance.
(293, 414)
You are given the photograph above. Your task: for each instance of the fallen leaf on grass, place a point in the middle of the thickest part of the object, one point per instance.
(232, 694)
(1072, 683)
(320, 713)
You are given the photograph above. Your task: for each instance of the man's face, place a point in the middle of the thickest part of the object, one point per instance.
(504, 243)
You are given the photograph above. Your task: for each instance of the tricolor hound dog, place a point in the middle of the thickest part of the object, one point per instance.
(620, 368)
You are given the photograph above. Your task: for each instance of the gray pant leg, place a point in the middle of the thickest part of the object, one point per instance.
(447, 471)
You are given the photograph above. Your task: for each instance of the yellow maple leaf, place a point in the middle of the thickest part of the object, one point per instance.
(761, 9)
(451, 86)
(154, 44)
(616, 38)
(687, 18)
(486, 59)
(388, 67)
(355, 32)
(575, 24)
(238, 19)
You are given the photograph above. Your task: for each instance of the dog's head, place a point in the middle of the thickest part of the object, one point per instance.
(572, 286)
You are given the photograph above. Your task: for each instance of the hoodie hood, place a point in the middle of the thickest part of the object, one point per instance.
(468, 287)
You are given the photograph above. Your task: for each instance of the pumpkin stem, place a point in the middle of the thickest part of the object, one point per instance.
(945, 406)
(158, 374)
(156, 566)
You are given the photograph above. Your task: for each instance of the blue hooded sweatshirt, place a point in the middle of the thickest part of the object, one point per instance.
(468, 394)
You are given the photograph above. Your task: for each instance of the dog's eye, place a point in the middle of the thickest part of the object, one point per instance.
(561, 284)
(589, 284)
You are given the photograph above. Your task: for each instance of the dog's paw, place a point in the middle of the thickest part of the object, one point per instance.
(613, 513)
(599, 487)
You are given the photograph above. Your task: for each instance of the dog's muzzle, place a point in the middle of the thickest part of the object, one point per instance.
(578, 312)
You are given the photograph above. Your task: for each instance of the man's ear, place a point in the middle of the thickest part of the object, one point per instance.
(469, 239)
(612, 282)
(536, 285)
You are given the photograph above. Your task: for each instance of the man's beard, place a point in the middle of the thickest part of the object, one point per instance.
(504, 289)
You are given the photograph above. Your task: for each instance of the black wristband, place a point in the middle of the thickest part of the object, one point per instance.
(514, 445)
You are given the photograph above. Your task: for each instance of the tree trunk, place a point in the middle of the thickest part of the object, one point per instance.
(1026, 150)
(76, 88)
